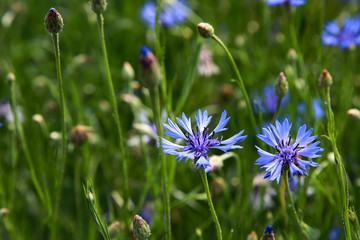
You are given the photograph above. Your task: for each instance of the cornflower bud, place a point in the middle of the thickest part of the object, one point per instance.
(325, 79)
(292, 56)
(98, 6)
(141, 228)
(268, 234)
(79, 135)
(281, 86)
(38, 118)
(3, 212)
(354, 113)
(114, 229)
(150, 74)
(252, 236)
(53, 21)
(205, 30)
(127, 72)
(10, 77)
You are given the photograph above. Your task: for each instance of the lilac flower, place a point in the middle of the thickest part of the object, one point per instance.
(198, 143)
(289, 152)
(345, 36)
(292, 3)
(172, 13)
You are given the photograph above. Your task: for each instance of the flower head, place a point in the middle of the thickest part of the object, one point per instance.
(289, 152)
(268, 234)
(172, 13)
(346, 36)
(198, 143)
(292, 3)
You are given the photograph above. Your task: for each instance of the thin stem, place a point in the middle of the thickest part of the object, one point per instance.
(58, 181)
(341, 169)
(211, 206)
(25, 147)
(239, 80)
(292, 205)
(100, 21)
(156, 110)
(278, 105)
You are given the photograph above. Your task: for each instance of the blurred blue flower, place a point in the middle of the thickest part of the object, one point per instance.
(317, 109)
(292, 3)
(268, 101)
(334, 233)
(198, 142)
(289, 151)
(345, 36)
(269, 233)
(172, 13)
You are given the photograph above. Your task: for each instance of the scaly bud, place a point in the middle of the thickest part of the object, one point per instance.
(127, 72)
(150, 74)
(10, 77)
(268, 234)
(205, 30)
(325, 79)
(354, 113)
(281, 86)
(53, 21)
(141, 228)
(98, 6)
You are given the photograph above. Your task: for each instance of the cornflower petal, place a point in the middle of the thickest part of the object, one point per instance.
(173, 130)
(223, 121)
(202, 120)
(202, 162)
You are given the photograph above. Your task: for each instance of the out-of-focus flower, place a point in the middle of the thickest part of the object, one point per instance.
(317, 109)
(354, 113)
(268, 100)
(198, 143)
(262, 199)
(149, 70)
(346, 36)
(172, 13)
(7, 114)
(292, 3)
(289, 152)
(334, 233)
(206, 66)
(217, 162)
(268, 234)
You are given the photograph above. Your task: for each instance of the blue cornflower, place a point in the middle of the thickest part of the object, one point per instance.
(171, 14)
(345, 36)
(198, 143)
(289, 152)
(292, 3)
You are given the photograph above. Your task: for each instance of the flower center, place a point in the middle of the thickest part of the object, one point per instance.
(287, 152)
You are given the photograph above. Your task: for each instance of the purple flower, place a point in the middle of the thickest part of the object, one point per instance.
(345, 36)
(172, 13)
(268, 100)
(289, 152)
(198, 143)
(292, 3)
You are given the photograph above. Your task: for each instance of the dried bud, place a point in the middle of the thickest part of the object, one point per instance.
(53, 21)
(150, 74)
(292, 56)
(3, 212)
(141, 228)
(281, 86)
(127, 72)
(252, 236)
(98, 6)
(325, 79)
(205, 30)
(10, 77)
(354, 113)
(79, 135)
(114, 229)
(268, 234)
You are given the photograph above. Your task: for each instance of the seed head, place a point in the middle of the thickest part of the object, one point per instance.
(205, 30)
(325, 79)
(98, 6)
(141, 228)
(281, 86)
(53, 21)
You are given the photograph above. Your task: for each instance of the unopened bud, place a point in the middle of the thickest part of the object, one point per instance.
(38, 118)
(98, 6)
(127, 72)
(114, 229)
(281, 86)
(354, 113)
(53, 21)
(292, 55)
(141, 228)
(10, 77)
(252, 236)
(325, 79)
(79, 135)
(268, 234)
(205, 30)
(150, 74)
(3, 212)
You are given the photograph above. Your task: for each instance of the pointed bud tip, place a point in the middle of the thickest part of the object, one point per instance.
(53, 21)
(325, 79)
(281, 86)
(205, 30)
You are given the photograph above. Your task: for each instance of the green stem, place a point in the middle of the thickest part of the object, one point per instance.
(24, 144)
(341, 169)
(239, 80)
(59, 179)
(156, 110)
(278, 105)
(292, 205)
(100, 21)
(211, 206)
